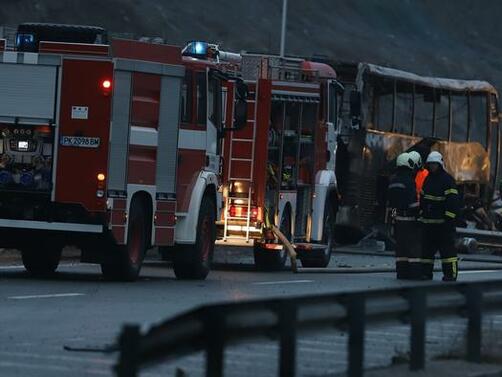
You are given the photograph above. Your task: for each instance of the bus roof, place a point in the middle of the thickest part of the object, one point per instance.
(431, 82)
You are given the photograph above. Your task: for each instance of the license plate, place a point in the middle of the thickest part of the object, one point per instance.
(80, 141)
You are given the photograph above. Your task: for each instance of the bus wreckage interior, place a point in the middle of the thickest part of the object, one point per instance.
(391, 111)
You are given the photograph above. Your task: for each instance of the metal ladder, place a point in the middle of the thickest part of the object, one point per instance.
(230, 200)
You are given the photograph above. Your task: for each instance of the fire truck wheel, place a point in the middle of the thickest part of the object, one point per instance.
(125, 263)
(194, 261)
(322, 258)
(270, 260)
(41, 259)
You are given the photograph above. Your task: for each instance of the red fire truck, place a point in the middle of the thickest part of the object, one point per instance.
(94, 150)
(279, 169)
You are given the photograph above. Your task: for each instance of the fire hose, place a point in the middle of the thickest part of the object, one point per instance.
(289, 247)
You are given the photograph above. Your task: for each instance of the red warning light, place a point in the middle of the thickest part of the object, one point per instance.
(106, 84)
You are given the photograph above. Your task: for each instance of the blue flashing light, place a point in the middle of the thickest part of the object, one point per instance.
(200, 48)
(26, 179)
(5, 177)
(24, 40)
(196, 49)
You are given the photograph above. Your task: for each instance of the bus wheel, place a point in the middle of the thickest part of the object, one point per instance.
(125, 262)
(272, 260)
(322, 257)
(194, 261)
(41, 259)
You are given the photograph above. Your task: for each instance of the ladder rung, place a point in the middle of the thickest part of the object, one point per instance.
(246, 140)
(237, 218)
(234, 237)
(242, 159)
(240, 179)
(238, 198)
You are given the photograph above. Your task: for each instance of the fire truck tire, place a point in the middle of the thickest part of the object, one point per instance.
(41, 259)
(268, 260)
(125, 262)
(194, 261)
(321, 259)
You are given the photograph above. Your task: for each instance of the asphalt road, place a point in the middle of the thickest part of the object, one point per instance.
(77, 308)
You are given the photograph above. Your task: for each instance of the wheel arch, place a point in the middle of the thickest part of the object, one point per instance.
(147, 202)
(186, 226)
(325, 191)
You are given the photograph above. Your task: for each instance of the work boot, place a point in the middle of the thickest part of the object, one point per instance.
(402, 270)
(450, 269)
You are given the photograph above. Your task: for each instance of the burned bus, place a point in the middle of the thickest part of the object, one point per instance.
(388, 111)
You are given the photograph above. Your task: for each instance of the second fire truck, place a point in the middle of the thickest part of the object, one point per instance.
(279, 168)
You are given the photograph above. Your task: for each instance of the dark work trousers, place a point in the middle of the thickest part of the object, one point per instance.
(408, 249)
(440, 237)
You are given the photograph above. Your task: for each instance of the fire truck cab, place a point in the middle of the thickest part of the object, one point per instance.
(95, 152)
(279, 169)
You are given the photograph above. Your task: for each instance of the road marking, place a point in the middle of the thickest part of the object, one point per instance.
(11, 267)
(55, 368)
(283, 282)
(477, 271)
(45, 296)
(21, 267)
(31, 355)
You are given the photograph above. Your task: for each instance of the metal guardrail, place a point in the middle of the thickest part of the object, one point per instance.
(211, 328)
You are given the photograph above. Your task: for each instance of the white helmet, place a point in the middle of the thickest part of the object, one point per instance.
(405, 160)
(416, 158)
(436, 157)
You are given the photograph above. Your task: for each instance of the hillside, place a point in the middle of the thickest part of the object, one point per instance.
(457, 39)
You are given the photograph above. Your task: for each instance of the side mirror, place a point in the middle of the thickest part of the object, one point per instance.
(355, 104)
(241, 106)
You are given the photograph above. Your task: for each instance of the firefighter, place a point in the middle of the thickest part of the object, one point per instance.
(420, 171)
(404, 206)
(439, 205)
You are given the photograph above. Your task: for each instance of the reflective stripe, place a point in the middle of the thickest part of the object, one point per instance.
(397, 185)
(450, 214)
(428, 261)
(431, 221)
(434, 198)
(414, 260)
(404, 218)
(449, 260)
(401, 259)
(414, 205)
(451, 191)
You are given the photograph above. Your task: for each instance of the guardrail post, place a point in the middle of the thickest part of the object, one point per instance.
(287, 333)
(129, 345)
(214, 324)
(356, 312)
(474, 300)
(418, 312)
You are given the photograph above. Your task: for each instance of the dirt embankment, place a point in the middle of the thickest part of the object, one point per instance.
(457, 39)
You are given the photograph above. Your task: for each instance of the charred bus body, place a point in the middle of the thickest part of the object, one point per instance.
(388, 111)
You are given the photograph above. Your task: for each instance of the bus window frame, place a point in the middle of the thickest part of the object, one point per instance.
(375, 119)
